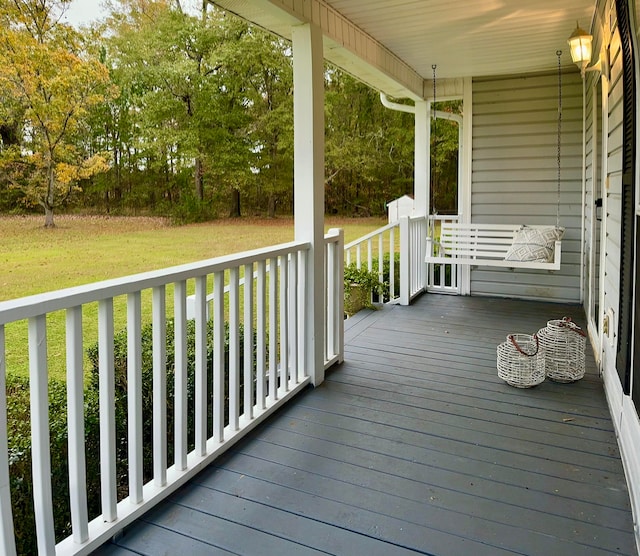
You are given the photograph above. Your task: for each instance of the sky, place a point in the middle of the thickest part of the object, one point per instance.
(83, 12)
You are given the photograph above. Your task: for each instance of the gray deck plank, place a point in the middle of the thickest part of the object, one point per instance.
(414, 445)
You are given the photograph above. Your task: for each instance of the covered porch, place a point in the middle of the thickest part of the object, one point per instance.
(413, 445)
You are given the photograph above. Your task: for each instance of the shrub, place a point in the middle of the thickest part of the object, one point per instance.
(19, 429)
(120, 361)
(19, 440)
(386, 274)
(359, 285)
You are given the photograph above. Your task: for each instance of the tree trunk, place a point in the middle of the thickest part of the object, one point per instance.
(271, 211)
(48, 217)
(50, 197)
(199, 183)
(234, 211)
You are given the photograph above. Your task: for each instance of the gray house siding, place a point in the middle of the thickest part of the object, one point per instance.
(514, 175)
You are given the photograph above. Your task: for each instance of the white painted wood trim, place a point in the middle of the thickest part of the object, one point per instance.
(234, 348)
(134, 395)
(218, 356)
(405, 268)
(75, 424)
(201, 366)
(308, 117)
(463, 274)
(249, 386)
(159, 335)
(283, 320)
(422, 157)
(180, 373)
(261, 339)
(41, 459)
(26, 307)
(273, 328)
(100, 531)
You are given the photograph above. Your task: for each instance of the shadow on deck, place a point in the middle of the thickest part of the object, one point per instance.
(414, 446)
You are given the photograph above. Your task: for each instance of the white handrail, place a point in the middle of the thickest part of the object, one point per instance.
(381, 243)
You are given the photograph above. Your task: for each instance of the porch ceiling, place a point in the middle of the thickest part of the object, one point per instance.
(465, 38)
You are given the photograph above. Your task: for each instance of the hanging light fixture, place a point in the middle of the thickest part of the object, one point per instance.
(580, 45)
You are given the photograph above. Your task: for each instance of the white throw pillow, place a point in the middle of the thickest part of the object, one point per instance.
(534, 244)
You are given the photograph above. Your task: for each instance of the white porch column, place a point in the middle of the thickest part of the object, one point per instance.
(308, 118)
(422, 166)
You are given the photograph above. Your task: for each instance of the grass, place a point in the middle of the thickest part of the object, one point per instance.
(85, 249)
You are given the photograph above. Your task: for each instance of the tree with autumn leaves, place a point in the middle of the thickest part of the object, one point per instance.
(184, 113)
(48, 84)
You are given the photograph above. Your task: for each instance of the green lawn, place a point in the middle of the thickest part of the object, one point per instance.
(84, 249)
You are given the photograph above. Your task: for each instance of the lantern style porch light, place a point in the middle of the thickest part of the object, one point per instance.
(580, 47)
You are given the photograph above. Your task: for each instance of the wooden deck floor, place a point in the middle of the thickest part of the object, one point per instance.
(414, 446)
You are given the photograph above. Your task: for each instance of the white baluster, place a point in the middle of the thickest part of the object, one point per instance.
(159, 310)
(75, 420)
(180, 376)
(134, 396)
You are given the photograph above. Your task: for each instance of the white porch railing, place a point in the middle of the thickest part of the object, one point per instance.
(396, 253)
(273, 314)
(334, 297)
(442, 278)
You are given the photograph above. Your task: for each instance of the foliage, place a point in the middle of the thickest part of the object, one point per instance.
(52, 84)
(160, 111)
(386, 275)
(121, 381)
(444, 161)
(369, 149)
(19, 433)
(19, 438)
(359, 285)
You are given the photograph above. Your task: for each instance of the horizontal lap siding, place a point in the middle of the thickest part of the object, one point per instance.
(514, 179)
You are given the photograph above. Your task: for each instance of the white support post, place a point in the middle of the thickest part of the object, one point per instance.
(405, 262)
(308, 117)
(464, 188)
(422, 158)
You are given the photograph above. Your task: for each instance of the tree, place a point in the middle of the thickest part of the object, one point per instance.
(191, 115)
(369, 149)
(53, 84)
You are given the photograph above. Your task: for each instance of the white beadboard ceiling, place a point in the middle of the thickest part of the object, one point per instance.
(464, 38)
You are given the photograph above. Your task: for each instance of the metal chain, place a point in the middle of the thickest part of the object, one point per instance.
(559, 54)
(433, 67)
(435, 142)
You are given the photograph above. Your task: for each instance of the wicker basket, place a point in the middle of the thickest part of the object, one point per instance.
(563, 342)
(521, 361)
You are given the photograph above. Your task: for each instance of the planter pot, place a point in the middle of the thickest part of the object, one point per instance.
(356, 298)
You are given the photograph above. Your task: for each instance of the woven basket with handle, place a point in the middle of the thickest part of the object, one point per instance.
(521, 361)
(563, 342)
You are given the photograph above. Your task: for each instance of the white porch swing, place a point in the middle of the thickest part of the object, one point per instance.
(501, 245)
